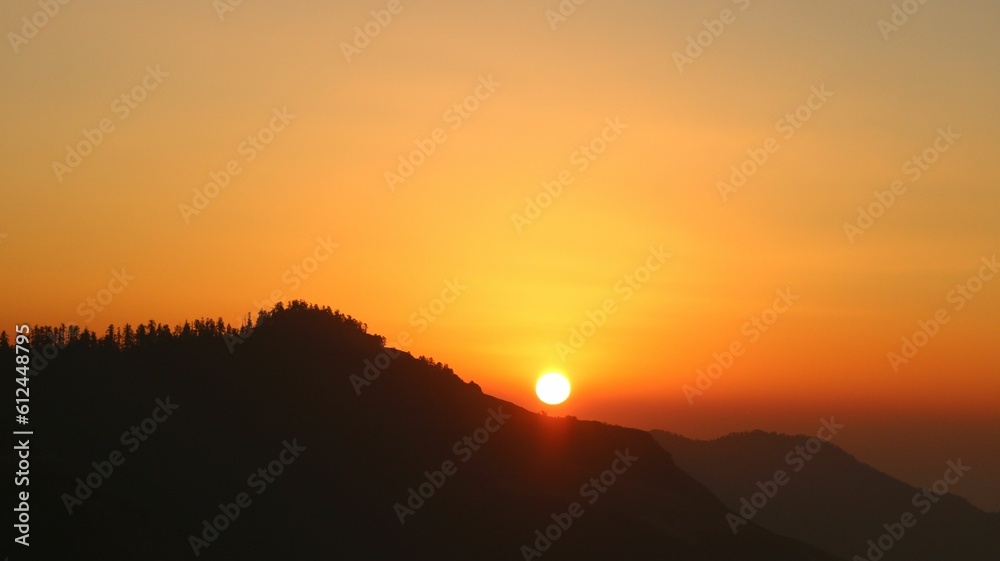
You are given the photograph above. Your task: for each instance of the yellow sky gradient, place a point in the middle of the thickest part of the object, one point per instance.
(348, 122)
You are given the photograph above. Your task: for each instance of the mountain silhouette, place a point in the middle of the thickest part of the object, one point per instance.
(835, 502)
(212, 442)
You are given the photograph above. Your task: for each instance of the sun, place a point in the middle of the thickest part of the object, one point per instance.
(552, 388)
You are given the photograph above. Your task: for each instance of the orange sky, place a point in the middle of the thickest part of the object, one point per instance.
(303, 130)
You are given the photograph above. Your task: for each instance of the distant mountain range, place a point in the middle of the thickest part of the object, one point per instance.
(303, 437)
(833, 501)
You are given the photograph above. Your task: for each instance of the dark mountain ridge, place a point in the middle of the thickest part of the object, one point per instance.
(260, 443)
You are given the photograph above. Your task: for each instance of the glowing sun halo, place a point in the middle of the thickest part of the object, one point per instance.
(552, 388)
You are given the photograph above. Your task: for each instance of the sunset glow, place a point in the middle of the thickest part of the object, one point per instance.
(780, 222)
